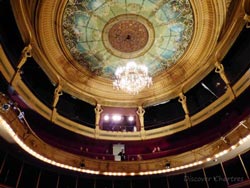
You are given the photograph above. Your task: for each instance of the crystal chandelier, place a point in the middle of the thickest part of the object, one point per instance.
(132, 78)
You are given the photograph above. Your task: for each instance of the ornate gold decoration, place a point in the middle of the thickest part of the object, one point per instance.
(98, 111)
(128, 36)
(183, 100)
(57, 93)
(140, 112)
(219, 68)
(247, 19)
(26, 53)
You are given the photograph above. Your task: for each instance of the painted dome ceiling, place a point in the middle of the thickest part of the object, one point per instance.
(89, 40)
(102, 35)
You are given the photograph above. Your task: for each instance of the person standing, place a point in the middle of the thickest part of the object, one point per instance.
(122, 154)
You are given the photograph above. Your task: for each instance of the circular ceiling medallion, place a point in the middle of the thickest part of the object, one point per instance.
(128, 36)
(101, 35)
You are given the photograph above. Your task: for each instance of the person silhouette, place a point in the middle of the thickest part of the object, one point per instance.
(122, 154)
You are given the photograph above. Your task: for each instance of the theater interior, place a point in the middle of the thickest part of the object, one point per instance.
(70, 103)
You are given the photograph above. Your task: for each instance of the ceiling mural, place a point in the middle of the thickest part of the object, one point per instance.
(104, 34)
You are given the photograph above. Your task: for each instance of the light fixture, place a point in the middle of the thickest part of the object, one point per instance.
(132, 78)
(116, 117)
(131, 118)
(106, 117)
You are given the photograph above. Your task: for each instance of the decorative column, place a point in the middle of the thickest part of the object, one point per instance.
(219, 68)
(57, 93)
(247, 19)
(183, 100)
(140, 112)
(26, 52)
(98, 111)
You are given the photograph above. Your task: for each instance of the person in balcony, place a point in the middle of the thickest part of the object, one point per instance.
(122, 154)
